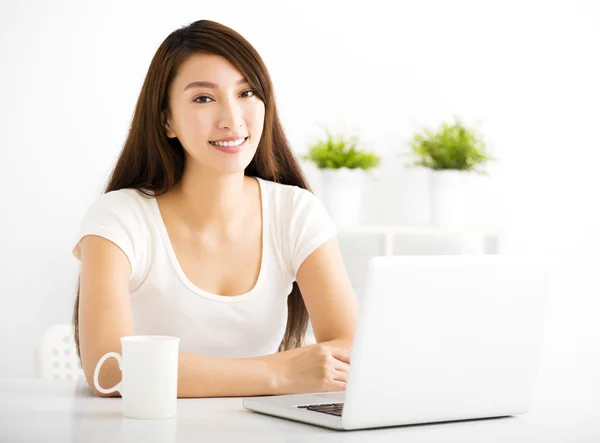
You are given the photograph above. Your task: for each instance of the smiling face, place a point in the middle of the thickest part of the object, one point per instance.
(209, 101)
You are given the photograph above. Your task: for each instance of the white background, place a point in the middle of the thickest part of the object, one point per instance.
(526, 72)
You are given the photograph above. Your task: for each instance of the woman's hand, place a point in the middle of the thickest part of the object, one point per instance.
(320, 368)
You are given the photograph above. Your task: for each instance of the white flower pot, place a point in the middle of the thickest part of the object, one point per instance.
(342, 194)
(449, 197)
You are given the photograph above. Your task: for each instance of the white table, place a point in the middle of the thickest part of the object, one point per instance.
(566, 409)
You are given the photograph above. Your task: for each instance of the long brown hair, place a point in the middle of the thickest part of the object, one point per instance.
(151, 161)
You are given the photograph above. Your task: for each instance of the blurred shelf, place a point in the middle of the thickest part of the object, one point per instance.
(389, 231)
(421, 229)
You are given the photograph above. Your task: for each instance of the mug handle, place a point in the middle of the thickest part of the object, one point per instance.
(115, 388)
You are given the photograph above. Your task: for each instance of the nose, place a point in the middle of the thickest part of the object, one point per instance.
(232, 116)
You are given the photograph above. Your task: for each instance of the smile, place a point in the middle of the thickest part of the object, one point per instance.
(230, 143)
(230, 147)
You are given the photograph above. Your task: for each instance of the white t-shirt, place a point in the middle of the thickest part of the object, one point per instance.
(165, 302)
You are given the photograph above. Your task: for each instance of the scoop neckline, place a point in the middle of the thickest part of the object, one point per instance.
(185, 280)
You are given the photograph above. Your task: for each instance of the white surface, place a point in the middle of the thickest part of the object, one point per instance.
(565, 409)
(528, 70)
(149, 366)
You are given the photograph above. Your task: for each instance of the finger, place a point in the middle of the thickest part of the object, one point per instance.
(337, 386)
(341, 366)
(341, 354)
(341, 376)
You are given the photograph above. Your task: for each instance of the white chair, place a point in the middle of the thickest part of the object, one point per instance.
(57, 356)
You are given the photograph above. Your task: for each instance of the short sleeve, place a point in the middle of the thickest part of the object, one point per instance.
(309, 227)
(116, 217)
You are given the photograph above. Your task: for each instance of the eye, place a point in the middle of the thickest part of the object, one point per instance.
(202, 96)
(197, 99)
(249, 90)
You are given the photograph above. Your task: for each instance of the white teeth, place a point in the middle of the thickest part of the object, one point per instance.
(231, 143)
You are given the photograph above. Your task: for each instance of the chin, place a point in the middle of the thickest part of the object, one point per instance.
(233, 166)
(228, 164)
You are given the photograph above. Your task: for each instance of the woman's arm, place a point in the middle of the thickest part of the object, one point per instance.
(201, 376)
(328, 295)
(317, 368)
(329, 299)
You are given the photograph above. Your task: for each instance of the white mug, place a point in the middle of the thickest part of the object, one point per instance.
(149, 385)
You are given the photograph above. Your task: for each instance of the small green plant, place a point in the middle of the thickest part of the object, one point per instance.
(451, 147)
(335, 152)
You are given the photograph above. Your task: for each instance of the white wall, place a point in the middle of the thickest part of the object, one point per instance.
(527, 71)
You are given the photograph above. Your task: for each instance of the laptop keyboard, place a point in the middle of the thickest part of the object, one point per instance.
(329, 408)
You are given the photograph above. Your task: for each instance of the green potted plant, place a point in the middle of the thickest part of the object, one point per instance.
(342, 166)
(453, 153)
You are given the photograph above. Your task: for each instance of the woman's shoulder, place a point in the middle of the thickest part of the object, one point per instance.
(301, 222)
(292, 205)
(280, 193)
(121, 217)
(123, 197)
(121, 203)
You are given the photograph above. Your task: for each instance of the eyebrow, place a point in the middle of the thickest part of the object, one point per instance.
(203, 84)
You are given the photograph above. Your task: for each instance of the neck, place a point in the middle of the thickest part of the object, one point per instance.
(211, 200)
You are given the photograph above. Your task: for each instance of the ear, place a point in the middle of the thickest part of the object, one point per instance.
(164, 120)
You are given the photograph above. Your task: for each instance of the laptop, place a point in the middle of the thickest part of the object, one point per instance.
(438, 339)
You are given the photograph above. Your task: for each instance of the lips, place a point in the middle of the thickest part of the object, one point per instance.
(231, 149)
(231, 138)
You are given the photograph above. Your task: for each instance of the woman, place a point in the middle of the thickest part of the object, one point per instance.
(207, 231)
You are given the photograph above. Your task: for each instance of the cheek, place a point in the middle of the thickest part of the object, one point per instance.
(199, 126)
(191, 125)
(258, 117)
